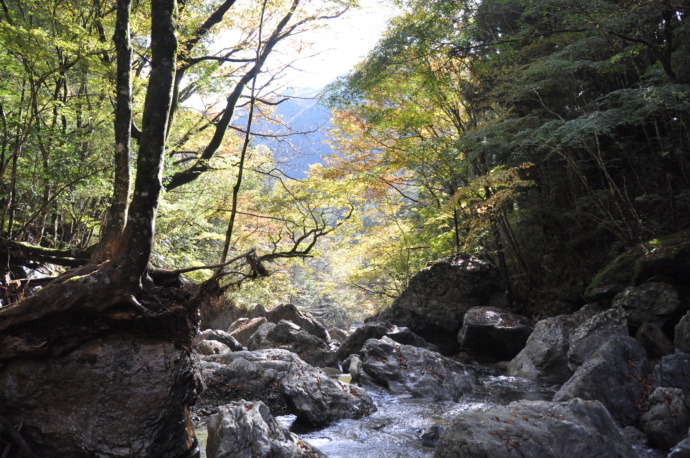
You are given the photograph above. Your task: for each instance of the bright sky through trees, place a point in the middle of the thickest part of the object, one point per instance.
(341, 45)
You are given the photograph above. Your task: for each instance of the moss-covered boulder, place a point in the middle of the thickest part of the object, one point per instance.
(663, 259)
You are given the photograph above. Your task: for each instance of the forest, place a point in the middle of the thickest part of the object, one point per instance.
(543, 136)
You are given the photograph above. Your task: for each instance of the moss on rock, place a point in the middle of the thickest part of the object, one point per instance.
(665, 258)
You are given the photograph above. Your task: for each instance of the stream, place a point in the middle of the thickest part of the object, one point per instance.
(394, 430)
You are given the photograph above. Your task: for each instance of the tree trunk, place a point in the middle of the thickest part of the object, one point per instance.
(138, 236)
(117, 215)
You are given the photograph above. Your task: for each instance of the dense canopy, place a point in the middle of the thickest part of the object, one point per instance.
(541, 135)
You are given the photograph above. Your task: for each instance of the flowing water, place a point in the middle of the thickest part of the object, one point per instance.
(395, 429)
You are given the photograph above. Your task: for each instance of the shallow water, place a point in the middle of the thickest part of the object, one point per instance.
(395, 429)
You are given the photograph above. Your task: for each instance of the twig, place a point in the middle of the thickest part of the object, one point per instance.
(214, 266)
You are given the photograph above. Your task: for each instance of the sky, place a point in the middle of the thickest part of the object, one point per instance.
(343, 44)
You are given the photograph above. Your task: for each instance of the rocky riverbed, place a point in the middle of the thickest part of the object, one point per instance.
(406, 426)
(611, 378)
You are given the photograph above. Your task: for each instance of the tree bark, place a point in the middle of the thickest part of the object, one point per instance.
(137, 243)
(113, 229)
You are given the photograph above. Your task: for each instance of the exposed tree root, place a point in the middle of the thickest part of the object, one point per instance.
(88, 302)
(15, 439)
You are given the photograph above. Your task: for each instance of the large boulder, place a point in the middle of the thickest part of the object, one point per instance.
(289, 312)
(535, 429)
(616, 375)
(667, 421)
(259, 339)
(285, 383)
(417, 371)
(657, 303)
(289, 336)
(437, 298)
(593, 333)
(494, 332)
(245, 429)
(123, 394)
(246, 375)
(545, 356)
(666, 257)
(257, 311)
(319, 400)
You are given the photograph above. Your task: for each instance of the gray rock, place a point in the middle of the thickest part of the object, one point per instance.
(120, 395)
(289, 312)
(405, 336)
(246, 375)
(310, 348)
(211, 347)
(285, 383)
(665, 257)
(319, 400)
(437, 297)
(654, 341)
(667, 421)
(414, 370)
(682, 334)
(355, 341)
(375, 330)
(535, 429)
(491, 331)
(259, 339)
(673, 371)
(431, 436)
(636, 436)
(545, 356)
(650, 302)
(222, 337)
(338, 334)
(593, 333)
(244, 328)
(681, 449)
(355, 368)
(257, 311)
(237, 324)
(246, 429)
(615, 375)
(289, 336)
(603, 293)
